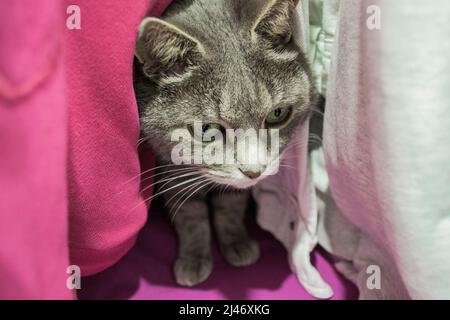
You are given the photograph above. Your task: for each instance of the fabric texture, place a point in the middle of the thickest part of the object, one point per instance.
(287, 201)
(386, 146)
(33, 143)
(323, 16)
(106, 208)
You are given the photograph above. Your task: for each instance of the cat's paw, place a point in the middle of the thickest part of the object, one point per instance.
(192, 271)
(242, 253)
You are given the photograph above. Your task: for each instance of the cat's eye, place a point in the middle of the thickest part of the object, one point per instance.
(199, 135)
(278, 118)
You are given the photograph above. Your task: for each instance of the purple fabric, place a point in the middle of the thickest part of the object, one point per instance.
(146, 273)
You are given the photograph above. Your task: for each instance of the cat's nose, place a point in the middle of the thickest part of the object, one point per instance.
(252, 174)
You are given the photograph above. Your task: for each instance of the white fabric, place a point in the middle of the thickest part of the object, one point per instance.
(286, 202)
(323, 15)
(287, 209)
(387, 155)
(387, 144)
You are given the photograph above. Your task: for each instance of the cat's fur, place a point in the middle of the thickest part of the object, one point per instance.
(223, 61)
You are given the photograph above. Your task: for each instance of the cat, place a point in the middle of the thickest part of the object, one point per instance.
(229, 64)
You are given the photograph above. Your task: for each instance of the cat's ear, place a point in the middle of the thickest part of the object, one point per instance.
(164, 50)
(274, 23)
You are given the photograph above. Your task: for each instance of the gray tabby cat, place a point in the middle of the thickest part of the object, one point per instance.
(230, 64)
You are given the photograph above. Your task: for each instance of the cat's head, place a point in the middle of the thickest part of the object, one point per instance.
(228, 65)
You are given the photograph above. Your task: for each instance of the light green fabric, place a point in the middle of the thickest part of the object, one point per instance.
(323, 16)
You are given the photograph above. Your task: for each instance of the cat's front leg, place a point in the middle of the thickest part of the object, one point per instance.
(194, 262)
(229, 221)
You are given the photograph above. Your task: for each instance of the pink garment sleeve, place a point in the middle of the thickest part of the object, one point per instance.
(106, 208)
(33, 140)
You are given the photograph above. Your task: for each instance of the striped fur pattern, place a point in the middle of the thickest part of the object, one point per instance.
(222, 61)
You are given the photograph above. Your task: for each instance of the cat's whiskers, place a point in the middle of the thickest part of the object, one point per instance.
(156, 182)
(318, 112)
(298, 144)
(145, 172)
(312, 138)
(170, 179)
(184, 192)
(164, 191)
(172, 172)
(206, 183)
(188, 188)
(315, 138)
(223, 189)
(141, 141)
(156, 175)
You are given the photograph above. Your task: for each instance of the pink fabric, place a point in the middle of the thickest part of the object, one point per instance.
(105, 215)
(103, 130)
(33, 140)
